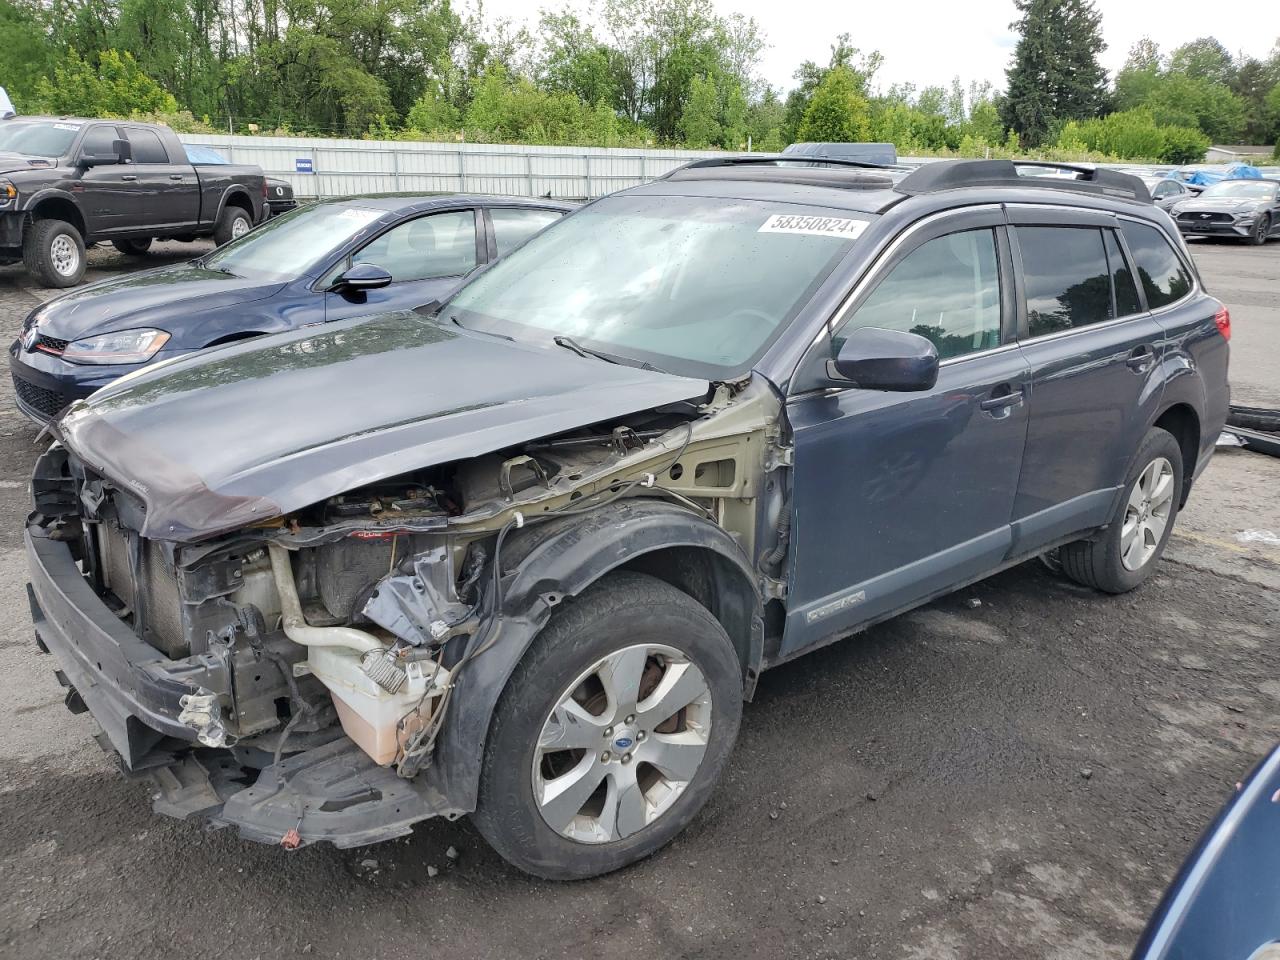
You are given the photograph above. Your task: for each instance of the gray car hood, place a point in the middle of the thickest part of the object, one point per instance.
(244, 433)
(1221, 204)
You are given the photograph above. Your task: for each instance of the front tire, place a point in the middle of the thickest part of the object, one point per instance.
(1127, 551)
(611, 732)
(233, 223)
(53, 252)
(133, 248)
(1261, 230)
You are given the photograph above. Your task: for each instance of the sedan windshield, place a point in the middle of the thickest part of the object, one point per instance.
(691, 285)
(289, 245)
(37, 139)
(1253, 189)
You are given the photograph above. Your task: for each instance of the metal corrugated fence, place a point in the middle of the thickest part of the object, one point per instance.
(344, 167)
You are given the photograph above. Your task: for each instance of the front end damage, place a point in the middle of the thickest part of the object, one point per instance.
(328, 674)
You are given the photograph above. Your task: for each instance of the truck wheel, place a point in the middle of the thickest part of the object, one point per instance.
(1127, 551)
(611, 732)
(133, 248)
(233, 223)
(53, 253)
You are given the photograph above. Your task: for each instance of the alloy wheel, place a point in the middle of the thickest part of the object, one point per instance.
(622, 743)
(1146, 514)
(64, 256)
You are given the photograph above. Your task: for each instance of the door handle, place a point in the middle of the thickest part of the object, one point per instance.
(999, 401)
(175, 176)
(1141, 360)
(129, 178)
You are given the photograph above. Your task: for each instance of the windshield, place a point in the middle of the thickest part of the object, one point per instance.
(1254, 189)
(692, 285)
(37, 139)
(287, 246)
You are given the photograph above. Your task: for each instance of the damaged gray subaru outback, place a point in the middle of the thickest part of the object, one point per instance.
(522, 556)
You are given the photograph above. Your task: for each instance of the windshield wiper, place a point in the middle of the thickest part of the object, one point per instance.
(571, 344)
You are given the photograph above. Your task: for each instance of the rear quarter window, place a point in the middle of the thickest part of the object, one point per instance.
(1161, 272)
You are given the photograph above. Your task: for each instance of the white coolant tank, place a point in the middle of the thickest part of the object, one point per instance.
(370, 715)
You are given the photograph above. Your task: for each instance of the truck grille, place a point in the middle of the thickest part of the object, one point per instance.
(47, 403)
(162, 605)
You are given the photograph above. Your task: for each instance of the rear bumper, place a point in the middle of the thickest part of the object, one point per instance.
(333, 792)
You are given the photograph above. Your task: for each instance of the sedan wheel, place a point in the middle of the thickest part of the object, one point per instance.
(622, 743)
(1147, 514)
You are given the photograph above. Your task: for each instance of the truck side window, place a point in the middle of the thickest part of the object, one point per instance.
(97, 142)
(439, 245)
(946, 290)
(1065, 274)
(147, 147)
(1163, 276)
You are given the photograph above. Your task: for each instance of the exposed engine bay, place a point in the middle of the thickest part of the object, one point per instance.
(358, 616)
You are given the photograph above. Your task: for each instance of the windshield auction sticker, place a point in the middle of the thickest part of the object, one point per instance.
(814, 226)
(66, 126)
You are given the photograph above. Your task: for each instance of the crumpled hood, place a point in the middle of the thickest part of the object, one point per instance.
(147, 299)
(1219, 205)
(222, 439)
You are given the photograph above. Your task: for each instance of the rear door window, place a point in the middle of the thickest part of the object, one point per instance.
(513, 226)
(947, 290)
(1127, 302)
(1164, 277)
(1065, 274)
(146, 147)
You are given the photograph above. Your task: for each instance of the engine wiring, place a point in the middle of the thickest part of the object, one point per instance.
(422, 744)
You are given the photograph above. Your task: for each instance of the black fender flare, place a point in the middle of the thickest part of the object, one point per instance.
(46, 194)
(556, 559)
(238, 190)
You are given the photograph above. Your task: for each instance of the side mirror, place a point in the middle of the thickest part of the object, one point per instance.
(876, 359)
(121, 152)
(362, 276)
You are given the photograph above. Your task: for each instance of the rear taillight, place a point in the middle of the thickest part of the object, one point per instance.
(1223, 321)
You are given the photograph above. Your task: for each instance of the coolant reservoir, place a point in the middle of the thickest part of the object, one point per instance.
(370, 715)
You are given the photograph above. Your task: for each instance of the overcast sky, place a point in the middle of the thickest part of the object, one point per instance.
(929, 41)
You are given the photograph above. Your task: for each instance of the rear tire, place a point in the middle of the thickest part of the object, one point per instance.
(233, 223)
(645, 783)
(133, 248)
(1124, 554)
(53, 252)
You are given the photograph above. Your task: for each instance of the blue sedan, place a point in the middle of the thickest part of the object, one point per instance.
(330, 260)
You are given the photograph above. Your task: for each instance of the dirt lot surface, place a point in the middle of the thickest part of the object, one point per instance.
(1016, 778)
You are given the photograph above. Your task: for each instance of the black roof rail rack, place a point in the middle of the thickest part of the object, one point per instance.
(954, 174)
(790, 160)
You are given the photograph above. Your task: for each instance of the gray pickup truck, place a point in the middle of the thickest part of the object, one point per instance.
(65, 182)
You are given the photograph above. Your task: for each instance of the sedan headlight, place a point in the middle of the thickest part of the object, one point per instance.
(8, 193)
(123, 346)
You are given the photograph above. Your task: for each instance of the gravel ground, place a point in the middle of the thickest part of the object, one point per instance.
(1019, 777)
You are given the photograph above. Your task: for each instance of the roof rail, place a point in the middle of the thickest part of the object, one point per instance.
(777, 158)
(954, 174)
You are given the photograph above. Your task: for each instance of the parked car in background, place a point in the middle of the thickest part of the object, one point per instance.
(279, 196)
(66, 182)
(328, 261)
(1224, 903)
(1243, 209)
(1166, 191)
(524, 556)
(883, 154)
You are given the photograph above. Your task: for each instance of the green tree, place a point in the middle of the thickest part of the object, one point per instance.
(809, 77)
(25, 53)
(1055, 74)
(431, 112)
(699, 124)
(838, 112)
(1203, 59)
(112, 86)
